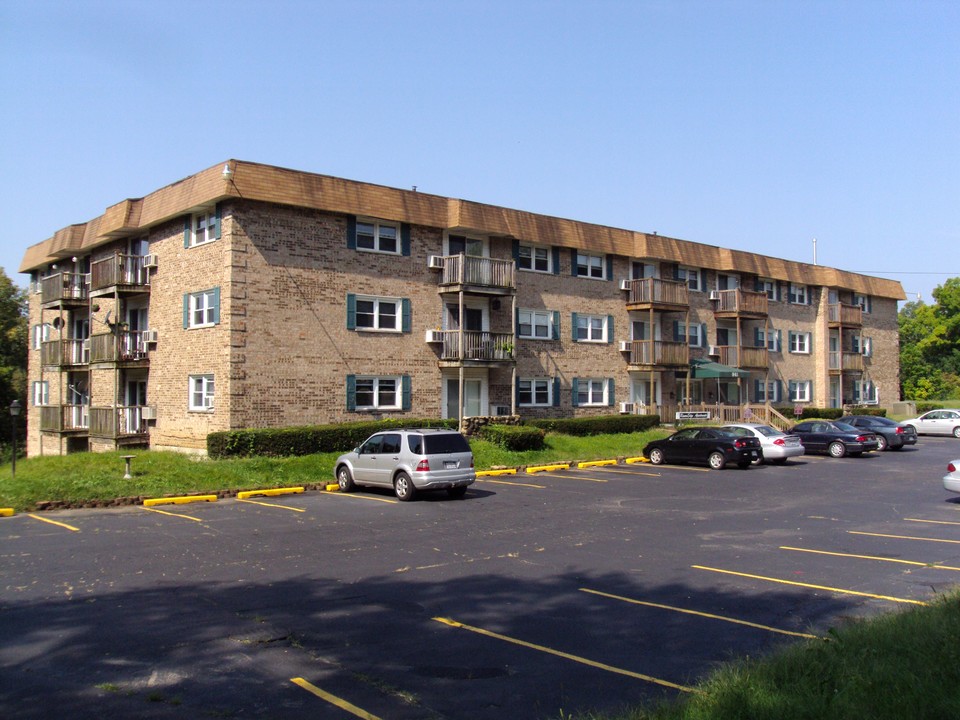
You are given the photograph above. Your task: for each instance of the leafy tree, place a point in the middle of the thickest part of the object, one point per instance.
(930, 345)
(13, 353)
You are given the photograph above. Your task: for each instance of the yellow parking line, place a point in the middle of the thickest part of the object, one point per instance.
(871, 557)
(808, 585)
(634, 473)
(904, 537)
(566, 656)
(273, 505)
(362, 497)
(698, 613)
(164, 512)
(579, 478)
(509, 482)
(333, 699)
(934, 522)
(53, 522)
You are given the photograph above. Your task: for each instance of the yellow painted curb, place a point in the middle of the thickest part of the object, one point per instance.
(596, 463)
(333, 487)
(179, 500)
(271, 492)
(6, 512)
(494, 473)
(547, 468)
(631, 461)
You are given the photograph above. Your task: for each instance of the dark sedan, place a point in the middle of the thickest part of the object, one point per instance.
(835, 438)
(891, 435)
(714, 446)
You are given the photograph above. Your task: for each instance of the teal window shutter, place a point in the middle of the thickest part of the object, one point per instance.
(573, 323)
(216, 306)
(516, 320)
(609, 267)
(516, 250)
(516, 391)
(756, 389)
(405, 239)
(556, 391)
(186, 311)
(556, 260)
(351, 393)
(611, 392)
(609, 329)
(703, 334)
(777, 391)
(351, 311)
(217, 215)
(351, 232)
(187, 222)
(676, 331)
(407, 393)
(758, 337)
(556, 324)
(573, 262)
(575, 387)
(405, 314)
(779, 341)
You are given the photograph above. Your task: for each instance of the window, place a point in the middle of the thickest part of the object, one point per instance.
(691, 276)
(696, 337)
(592, 391)
(535, 391)
(800, 342)
(201, 309)
(864, 302)
(767, 392)
(537, 324)
(862, 345)
(366, 312)
(201, 393)
(534, 258)
(590, 266)
(770, 340)
(800, 390)
(41, 392)
(770, 287)
(376, 236)
(865, 392)
(41, 333)
(799, 295)
(375, 393)
(201, 228)
(592, 328)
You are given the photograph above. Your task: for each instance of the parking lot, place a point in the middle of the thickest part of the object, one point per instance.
(538, 593)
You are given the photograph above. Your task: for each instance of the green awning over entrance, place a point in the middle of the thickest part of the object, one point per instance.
(710, 369)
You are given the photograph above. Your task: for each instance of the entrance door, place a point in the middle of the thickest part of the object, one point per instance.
(134, 398)
(643, 394)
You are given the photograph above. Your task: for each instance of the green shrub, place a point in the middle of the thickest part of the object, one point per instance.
(867, 410)
(923, 407)
(516, 438)
(812, 412)
(598, 425)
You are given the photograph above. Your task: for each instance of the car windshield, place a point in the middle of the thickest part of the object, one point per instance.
(445, 443)
(767, 430)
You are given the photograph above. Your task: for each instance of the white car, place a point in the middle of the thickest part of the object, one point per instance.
(937, 422)
(951, 481)
(777, 446)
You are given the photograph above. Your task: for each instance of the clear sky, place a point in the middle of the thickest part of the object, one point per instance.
(751, 124)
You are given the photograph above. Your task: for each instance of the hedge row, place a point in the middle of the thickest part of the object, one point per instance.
(516, 438)
(599, 425)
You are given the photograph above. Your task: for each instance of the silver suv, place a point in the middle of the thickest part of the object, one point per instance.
(409, 460)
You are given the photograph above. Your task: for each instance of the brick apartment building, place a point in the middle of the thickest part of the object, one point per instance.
(255, 296)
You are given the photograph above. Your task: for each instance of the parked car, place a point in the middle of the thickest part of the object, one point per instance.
(937, 422)
(951, 481)
(409, 460)
(835, 438)
(712, 445)
(891, 435)
(776, 446)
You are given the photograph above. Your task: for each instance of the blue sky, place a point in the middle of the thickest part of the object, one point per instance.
(756, 125)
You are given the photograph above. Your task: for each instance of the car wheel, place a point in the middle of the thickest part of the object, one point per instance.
(882, 443)
(837, 450)
(656, 456)
(457, 492)
(956, 431)
(403, 487)
(716, 460)
(345, 479)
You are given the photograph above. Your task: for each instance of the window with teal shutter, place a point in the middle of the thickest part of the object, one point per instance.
(556, 392)
(575, 391)
(556, 324)
(556, 262)
(405, 239)
(406, 390)
(405, 313)
(351, 232)
(611, 392)
(351, 393)
(351, 311)
(609, 329)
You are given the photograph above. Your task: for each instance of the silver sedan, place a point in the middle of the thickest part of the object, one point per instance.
(777, 446)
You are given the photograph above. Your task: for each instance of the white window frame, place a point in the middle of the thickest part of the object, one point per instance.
(800, 294)
(769, 287)
(770, 341)
(692, 334)
(378, 315)
(203, 228)
(201, 392)
(799, 343)
(378, 235)
(532, 258)
(589, 262)
(591, 328)
(204, 303)
(769, 392)
(376, 391)
(537, 386)
(691, 276)
(41, 333)
(40, 392)
(536, 319)
(865, 392)
(864, 301)
(800, 390)
(596, 392)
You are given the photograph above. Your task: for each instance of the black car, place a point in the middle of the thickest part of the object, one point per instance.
(891, 435)
(835, 438)
(711, 445)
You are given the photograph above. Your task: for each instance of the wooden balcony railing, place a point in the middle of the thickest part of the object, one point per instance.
(740, 302)
(743, 357)
(843, 314)
(485, 346)
(845, 362)
(656, 292)
(119, 270)
(478, 272)
(123, 346)
(118, 422)
(68, 286)
(64, 353)
(655, 353)
(64, 418)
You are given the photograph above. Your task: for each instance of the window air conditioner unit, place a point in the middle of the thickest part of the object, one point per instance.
(713, 350)
(624, 284)
(624, 346)
(714, 294)
(150, 336)
(149, 261)
(434, 336)
(626, 408)
(148, 412)
(435, 262)
(501, 410)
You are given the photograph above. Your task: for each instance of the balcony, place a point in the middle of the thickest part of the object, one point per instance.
(66, 289)
(123, 273)
(739, 303)
(657, 353)
(843, 315)
(477, 348)
(845, 362)
(125, 346)
(478, 275)
(64, 353)
(657, 294)
(125, 422)
(743, 357)
(65, 418)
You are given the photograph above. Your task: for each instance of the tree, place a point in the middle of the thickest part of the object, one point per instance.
(930, 345)
(13, 352)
